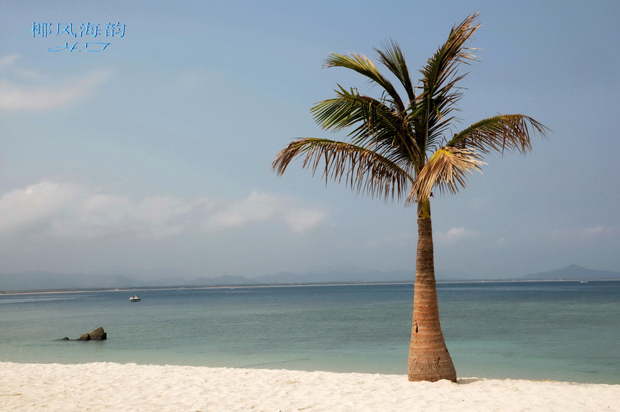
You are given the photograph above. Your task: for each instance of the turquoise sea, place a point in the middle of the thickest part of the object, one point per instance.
(533, 330)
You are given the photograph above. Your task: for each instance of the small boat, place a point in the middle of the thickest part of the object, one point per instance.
(134, 298)
(584, 281)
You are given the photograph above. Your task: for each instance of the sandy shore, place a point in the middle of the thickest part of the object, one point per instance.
(116, 387)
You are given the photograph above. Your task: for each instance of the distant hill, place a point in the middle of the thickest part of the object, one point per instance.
(292, 278)
(48, 280)
(337, 276)
(225, 280)
(26, 281)
(340, 276)
(573, 272)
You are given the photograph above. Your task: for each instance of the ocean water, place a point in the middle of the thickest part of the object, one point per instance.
(539, 330)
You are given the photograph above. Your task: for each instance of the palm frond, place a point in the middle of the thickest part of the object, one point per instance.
(392, 57)
(350, 108)
(365, 67)
(440, 93)
(364, 170)
(376, 124)
(446, 170)
(442, 65)
(509, 132)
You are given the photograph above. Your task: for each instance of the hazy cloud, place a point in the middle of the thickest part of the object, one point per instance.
(8, 60)
(33, 91)
(299, 220)
(73, 211)
(22, 209)
(259, 207)
(455, 234)
(583, 234)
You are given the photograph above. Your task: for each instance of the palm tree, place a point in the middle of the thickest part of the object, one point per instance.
(399, 146)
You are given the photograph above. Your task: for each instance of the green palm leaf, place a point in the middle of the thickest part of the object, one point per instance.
(392, 57)
(364, 66)
(364, 170)
(376, 124)
(509, 132)
(350, 108)
(443, 64)
(440, 93)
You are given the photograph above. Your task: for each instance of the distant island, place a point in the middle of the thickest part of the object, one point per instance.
(574, 272)
(38, 281)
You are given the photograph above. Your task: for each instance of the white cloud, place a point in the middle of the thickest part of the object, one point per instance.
(256, 207)
(455, 234)
(583, 234)
(34, 92)
(299, 220)
(101, 215)
(259, 207)
(79, 212)
(34, 205)
(8, 60)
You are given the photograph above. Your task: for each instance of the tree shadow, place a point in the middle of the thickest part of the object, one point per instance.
(467, 381)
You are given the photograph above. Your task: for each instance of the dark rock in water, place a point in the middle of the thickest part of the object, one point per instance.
(85, 336)
(97, 334)
(65, 338)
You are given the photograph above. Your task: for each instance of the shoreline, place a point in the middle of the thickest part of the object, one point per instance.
(132, 387)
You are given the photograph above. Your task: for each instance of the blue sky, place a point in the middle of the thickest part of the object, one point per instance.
(152, 157)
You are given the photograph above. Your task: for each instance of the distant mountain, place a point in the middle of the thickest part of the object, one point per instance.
(573, 272)
(166, 281)
(26, 281)
(53, 281)
(48, 280)
(293, 278)
(335, 277)
(225, 280)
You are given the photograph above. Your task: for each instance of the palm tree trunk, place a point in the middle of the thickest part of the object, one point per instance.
(429, 359)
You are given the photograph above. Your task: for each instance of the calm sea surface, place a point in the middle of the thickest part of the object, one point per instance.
(539, 330)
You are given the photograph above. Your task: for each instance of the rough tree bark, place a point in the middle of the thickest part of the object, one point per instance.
(429, 359)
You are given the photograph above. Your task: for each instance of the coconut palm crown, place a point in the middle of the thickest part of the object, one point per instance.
(400, 147)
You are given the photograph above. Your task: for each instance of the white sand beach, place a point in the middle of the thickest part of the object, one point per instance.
(130, 387)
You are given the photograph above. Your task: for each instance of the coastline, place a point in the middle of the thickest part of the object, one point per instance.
(131, 387)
